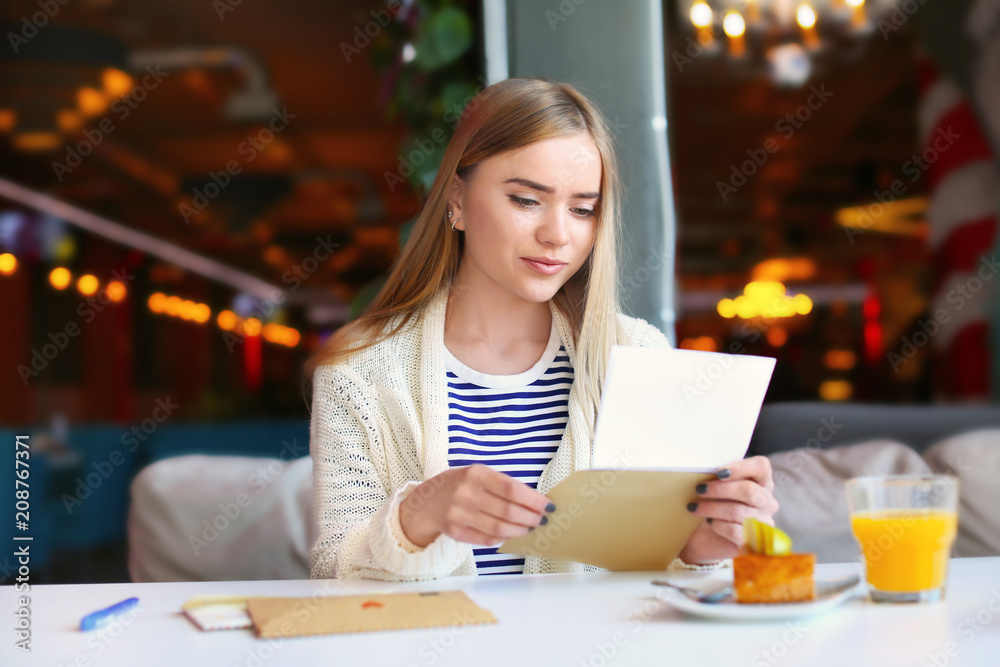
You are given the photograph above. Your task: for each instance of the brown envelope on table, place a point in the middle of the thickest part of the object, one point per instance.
(617, 519)
(295, 617)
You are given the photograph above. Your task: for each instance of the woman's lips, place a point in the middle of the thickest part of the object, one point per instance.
(544, 269)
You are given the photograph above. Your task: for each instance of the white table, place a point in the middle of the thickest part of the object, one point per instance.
(549, 620)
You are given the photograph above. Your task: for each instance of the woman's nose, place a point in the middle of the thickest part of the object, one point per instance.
(555, 228)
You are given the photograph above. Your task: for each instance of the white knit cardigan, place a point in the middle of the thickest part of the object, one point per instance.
(379, 428)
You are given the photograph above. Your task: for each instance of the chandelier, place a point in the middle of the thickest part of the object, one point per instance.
(787, 33)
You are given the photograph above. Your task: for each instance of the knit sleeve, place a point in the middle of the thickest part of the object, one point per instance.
(356, 511)
(641, 333)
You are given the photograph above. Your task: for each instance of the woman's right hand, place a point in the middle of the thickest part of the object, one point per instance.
(475, 504)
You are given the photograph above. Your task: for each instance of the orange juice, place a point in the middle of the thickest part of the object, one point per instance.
(905, 550)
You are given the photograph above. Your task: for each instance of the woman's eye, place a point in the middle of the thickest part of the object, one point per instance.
(522, 202)
(584, 212)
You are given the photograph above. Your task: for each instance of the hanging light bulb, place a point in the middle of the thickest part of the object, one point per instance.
(858, 12)
(701, 17)
(734, 26)
(806, 18)
(701, 14)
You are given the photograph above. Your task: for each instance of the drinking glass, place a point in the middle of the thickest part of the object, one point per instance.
(905, 526)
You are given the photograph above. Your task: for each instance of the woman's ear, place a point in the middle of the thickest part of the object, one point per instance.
(455, 198)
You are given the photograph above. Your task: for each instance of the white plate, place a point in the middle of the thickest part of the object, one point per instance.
(827, 597)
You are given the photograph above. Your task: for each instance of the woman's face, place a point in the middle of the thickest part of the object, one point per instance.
(529, 216)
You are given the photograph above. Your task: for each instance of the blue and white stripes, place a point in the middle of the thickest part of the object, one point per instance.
(512, 423)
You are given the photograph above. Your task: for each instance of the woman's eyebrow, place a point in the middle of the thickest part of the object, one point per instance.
(548, 189)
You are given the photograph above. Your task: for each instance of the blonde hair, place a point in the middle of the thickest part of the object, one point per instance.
(506, 116)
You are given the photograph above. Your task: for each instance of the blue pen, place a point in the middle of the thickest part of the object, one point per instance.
(104, 616)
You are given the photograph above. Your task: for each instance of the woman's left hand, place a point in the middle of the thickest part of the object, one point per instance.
(743, 490)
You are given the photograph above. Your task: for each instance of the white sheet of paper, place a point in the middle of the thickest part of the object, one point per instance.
(669, 408)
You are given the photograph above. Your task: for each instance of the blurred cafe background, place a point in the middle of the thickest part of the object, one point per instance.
(194, 195)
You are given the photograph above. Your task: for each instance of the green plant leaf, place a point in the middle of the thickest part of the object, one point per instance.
(442, 38)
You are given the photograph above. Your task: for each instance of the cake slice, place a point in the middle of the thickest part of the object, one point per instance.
(768, 571)
(762, 578)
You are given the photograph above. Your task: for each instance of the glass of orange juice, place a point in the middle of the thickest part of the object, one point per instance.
(905, 526)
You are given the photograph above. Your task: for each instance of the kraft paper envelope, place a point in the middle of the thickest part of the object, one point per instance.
(668, 408)
(668, 419)
(617, 519)
(296, 617)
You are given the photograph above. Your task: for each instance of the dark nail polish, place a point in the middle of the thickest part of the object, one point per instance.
(550, 508)
(722, 474)
(692, 507)
(708, 520)
(531, 528)
(544, 521)
(701, 488)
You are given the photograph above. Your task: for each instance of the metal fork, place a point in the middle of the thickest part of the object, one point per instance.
(711, 597)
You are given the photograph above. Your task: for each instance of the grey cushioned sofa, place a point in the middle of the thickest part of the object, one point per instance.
(815, 447)
(184, 523)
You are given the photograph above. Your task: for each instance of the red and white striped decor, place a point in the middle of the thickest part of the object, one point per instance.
(963, 182)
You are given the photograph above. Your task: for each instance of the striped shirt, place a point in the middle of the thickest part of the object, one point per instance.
(512, 423)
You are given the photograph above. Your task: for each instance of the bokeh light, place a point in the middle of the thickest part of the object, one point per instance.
(60, 278)
(226, 320)
(251, 326)
(701, 14)
(87, 285)
(157, 302)
(201, 313)
(734, 25)
(116, 291)
(806, 16)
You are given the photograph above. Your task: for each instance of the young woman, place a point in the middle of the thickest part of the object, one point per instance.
(470, 386)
